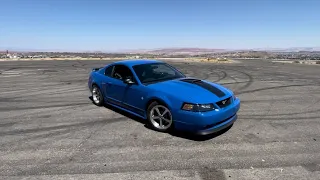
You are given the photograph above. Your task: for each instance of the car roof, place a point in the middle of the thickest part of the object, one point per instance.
(133, 62)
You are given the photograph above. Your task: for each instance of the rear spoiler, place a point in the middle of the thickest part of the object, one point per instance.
(96, 69)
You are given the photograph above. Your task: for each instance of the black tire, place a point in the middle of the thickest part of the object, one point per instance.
(96, 93)
(152, 123)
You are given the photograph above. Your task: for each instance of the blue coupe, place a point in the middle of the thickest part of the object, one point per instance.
(165, 97)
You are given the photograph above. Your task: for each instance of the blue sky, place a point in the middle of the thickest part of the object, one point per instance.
(109, 25)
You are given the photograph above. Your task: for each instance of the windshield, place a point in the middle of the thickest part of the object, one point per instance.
(155, 72)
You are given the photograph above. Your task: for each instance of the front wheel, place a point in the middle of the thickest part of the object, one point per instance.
(160, 117)
(97, 96)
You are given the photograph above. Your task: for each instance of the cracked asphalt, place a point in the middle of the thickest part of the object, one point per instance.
(49, 128)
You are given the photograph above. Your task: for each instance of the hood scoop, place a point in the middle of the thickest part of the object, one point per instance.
(204, 85)
(190, 80)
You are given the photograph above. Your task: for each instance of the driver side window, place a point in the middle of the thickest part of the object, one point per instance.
(121, 72)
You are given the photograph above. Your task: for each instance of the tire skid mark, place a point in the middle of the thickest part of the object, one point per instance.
(282, 118)
(10, 69)
(78, 151)
(235, 85)
(209, 75)
(283, 75)
(288, 114)
(31, 94)
(60, 127)
(250, 80)
(7, 124)
(274, 87)
(4, 109)
(267, 114)
(36, 137)
(60, 131)
(214, 71)
(41, 110)
(186, 71)
(30, 90)
(247, 83)
(224, 75)
(312, 104)
(79, 65)
(96, 126)
(239, 82)
(269, 107)
(282, 160)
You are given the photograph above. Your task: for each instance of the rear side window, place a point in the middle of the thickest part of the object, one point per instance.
(108, 71)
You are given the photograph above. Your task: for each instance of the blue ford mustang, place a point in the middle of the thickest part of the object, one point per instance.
(166, 98)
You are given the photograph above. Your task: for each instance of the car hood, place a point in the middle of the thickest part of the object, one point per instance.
(192, 90)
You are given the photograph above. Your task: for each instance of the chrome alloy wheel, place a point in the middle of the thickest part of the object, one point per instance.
(96, 95)
(160, 117)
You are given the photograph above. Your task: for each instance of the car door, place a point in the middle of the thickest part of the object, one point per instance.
(107, 81)
(113, 84)
(129, 94)
(134, 97)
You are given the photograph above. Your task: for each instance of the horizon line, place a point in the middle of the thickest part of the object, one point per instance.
(3, 49)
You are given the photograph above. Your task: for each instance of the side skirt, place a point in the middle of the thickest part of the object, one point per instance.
(123, 107)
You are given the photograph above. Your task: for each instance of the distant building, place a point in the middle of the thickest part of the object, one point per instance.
(11, 56)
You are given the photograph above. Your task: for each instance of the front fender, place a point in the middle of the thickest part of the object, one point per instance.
(159, 97)
(172, 102)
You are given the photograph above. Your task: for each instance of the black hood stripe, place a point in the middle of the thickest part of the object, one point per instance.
(205, 85)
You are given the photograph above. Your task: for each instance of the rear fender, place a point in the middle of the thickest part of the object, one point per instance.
(94, 79)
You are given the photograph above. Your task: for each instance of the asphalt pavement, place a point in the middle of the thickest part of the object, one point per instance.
(50, 129)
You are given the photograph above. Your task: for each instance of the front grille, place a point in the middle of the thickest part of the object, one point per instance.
(224, 103)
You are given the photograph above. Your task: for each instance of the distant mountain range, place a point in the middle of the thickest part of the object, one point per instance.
(194, 51)
(293, 49)
(179, 51)
(174, 51)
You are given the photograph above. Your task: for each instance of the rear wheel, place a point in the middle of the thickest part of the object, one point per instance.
(160, 117)
(97, 96)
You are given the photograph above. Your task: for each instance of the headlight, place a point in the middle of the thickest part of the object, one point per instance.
(197, 107)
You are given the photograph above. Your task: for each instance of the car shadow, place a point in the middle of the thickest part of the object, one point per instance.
(176, 133)
(194, 137)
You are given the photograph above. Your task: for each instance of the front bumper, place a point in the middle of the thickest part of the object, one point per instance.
(204, 123)
(219, 127)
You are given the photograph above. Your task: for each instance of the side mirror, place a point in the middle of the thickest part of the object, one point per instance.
(128, 80)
